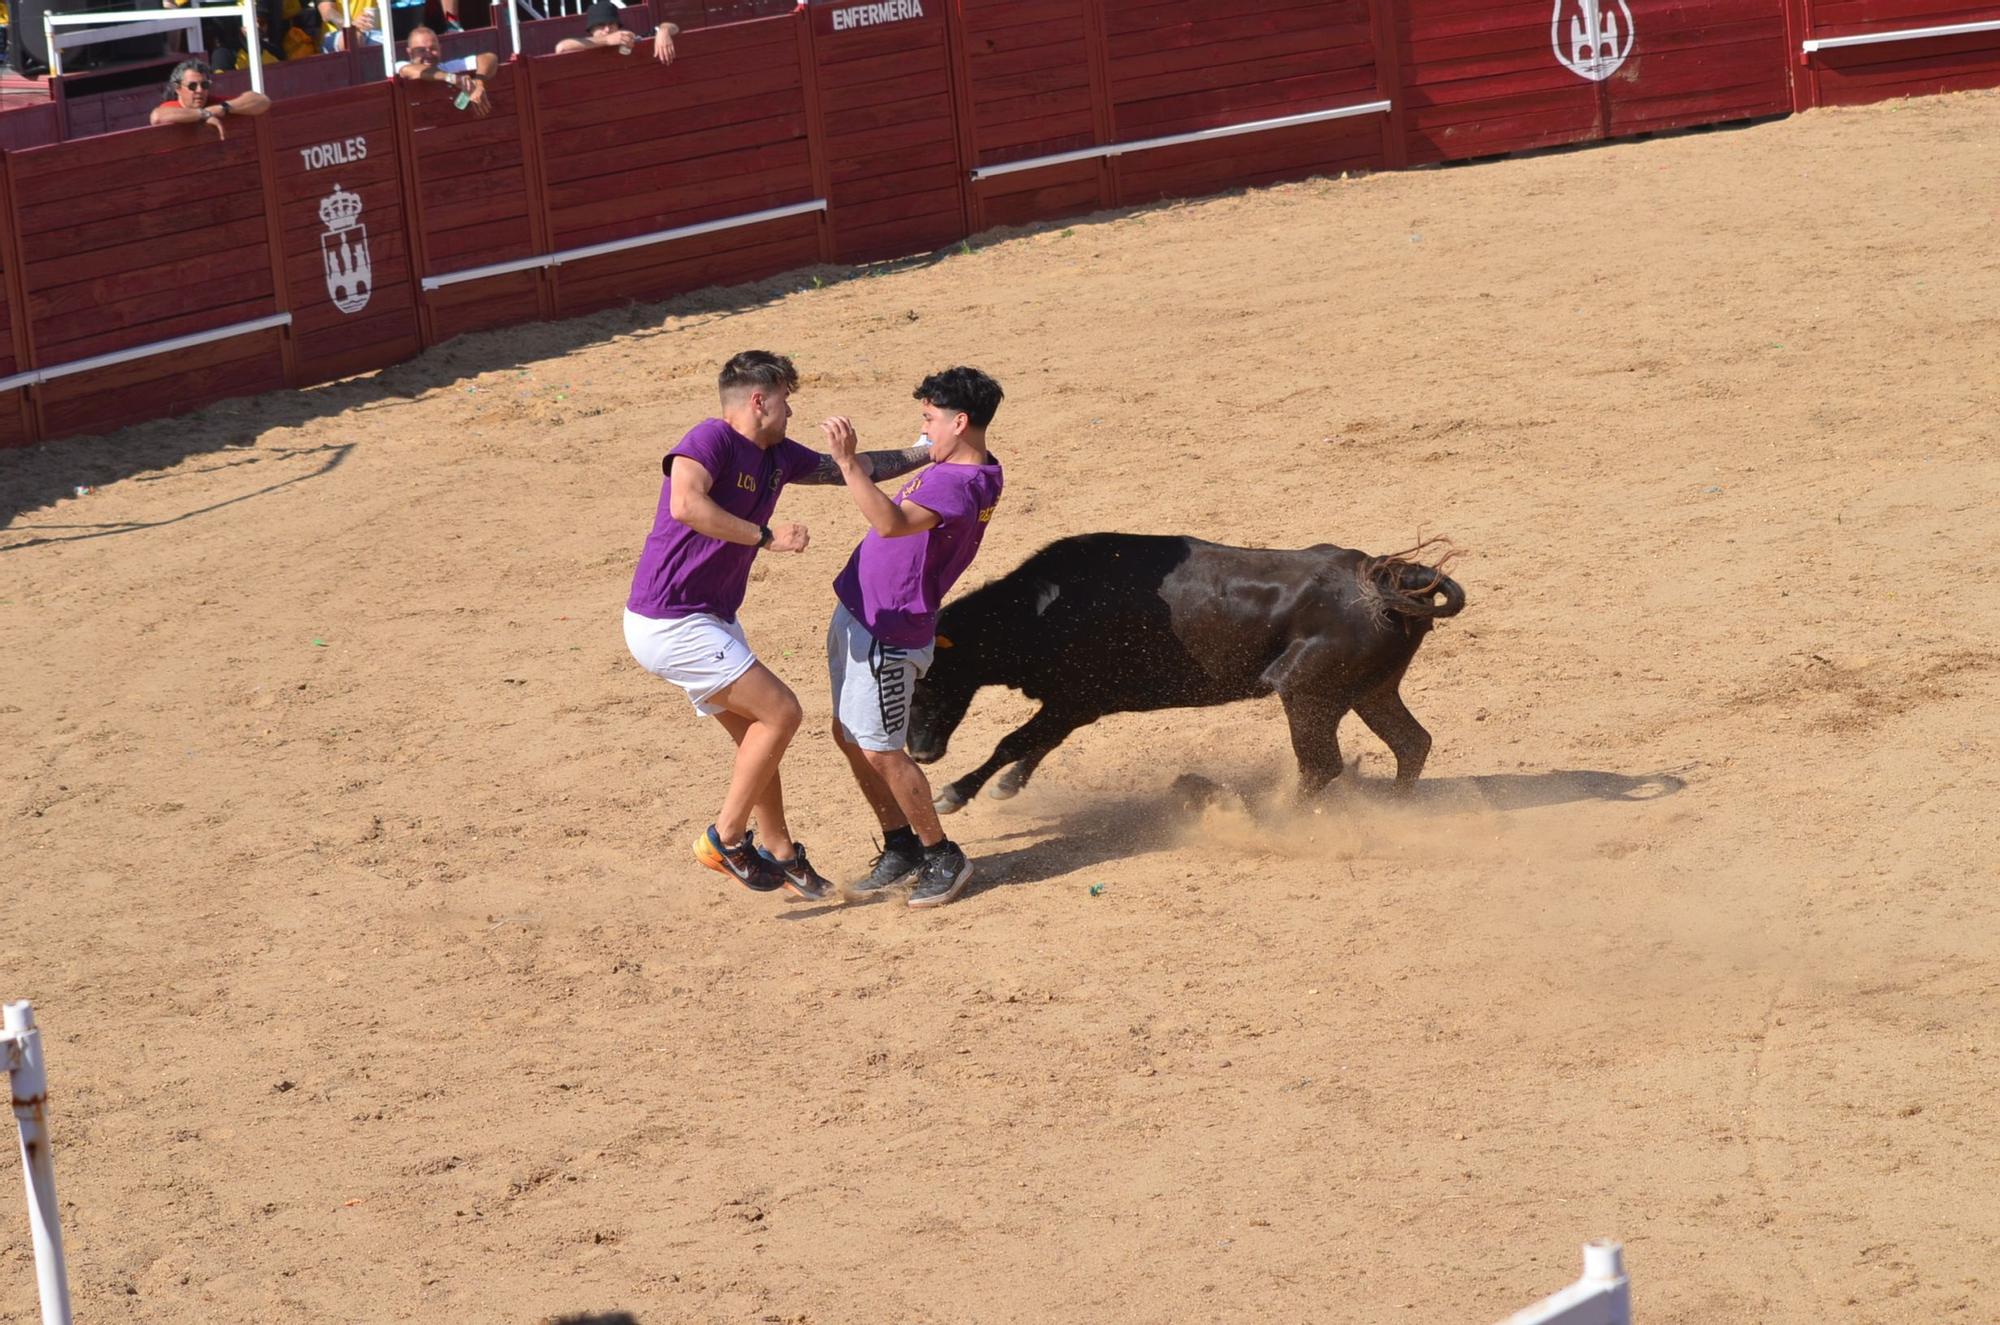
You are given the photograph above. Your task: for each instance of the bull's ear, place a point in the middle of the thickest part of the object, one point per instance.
(943, 642)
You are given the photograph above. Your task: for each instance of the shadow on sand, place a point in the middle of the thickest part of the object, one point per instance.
(1120, 830)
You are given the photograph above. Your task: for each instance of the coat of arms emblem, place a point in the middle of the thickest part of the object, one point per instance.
(350, 279)
(1596, 39)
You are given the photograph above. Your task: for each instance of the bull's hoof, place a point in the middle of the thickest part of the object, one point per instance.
(948, 801)
(1004, 790)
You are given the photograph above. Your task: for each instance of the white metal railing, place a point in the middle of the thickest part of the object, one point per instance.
(1900, 34)
(1170, 140)
(21, 1056)
(620, 245)
(118, 24)
(38, 375)
(1602, 1297)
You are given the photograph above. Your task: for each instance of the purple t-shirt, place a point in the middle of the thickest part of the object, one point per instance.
(682, 572)
(894, 586)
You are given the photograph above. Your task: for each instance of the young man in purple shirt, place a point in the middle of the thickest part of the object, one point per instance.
(721, 488)
(884, 630)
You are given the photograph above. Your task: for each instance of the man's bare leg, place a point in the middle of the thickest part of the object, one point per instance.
(770, 714)
(873, 789)
(769, 806)
(906, 783)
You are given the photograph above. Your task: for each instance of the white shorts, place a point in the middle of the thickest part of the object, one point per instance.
(701, 654)
(873, 683)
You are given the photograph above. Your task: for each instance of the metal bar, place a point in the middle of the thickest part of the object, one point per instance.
(514, 27)
(128, 15)
(386, 26)
(1901, 34)
(49, 45)
(92, 36)
(253, 47)
(51, 373)
(30, 1079)
(1172, 140)
(620, 245)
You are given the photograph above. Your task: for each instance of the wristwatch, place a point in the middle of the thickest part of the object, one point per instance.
(763, 535)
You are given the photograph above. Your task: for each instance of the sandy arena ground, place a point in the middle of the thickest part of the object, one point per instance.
(346, 849)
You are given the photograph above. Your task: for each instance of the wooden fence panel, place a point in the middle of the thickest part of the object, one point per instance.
(883, 75)
(1852, 75)
(1185, 66)
(474, 203)
(337, 162)
(633, 148)
(113, 257)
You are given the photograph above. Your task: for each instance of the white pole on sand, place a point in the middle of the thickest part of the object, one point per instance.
(253, 45)
(21, 1049)
(1602, 1297)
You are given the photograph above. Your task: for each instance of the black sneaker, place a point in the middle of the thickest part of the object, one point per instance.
(943, 876)
(800, 876)
(742, 862)
(895, 863)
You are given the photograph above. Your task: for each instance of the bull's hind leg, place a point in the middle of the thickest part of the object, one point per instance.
(1315, 722)
(1027, 743)
(1383, 710)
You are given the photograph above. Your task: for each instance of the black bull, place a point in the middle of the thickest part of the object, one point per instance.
(1119, 623)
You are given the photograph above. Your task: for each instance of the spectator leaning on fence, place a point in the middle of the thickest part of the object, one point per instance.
(190, 102)
(601, 27)
(467, 74)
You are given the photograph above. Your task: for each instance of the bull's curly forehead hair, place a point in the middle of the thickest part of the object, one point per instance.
(755, 369)
(964, 391)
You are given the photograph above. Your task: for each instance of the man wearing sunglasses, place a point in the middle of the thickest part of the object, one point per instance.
(192, 100)
(466, 75)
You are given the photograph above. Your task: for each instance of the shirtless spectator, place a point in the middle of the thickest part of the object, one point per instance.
(602, 27)
(190, 103)
(466, 75)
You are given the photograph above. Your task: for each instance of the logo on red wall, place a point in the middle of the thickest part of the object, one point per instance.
(1591, 37)
(343, 249)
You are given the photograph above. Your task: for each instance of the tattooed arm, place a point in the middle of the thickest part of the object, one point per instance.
(879, 464)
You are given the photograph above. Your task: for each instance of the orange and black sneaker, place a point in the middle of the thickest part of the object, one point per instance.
(800, 876)
(742, 862)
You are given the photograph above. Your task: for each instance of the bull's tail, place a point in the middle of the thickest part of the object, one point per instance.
(1408, 587)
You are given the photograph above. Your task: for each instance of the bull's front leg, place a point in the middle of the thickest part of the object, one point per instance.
(1009, 784)
(1030, 741)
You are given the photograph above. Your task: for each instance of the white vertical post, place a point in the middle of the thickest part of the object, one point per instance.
(31, 1090)
(514, 26)
(388, 31)
(1602, 1297)
(253, 42)
(49, 45)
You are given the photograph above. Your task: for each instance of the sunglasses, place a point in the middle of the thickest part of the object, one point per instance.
(195, 87)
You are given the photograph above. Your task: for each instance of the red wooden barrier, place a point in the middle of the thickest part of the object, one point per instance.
(1035, 87)
(354, 227)
(16, 414)
(475, 205)
(631, 150)
(1189, 65)
(1904, 64)
(883, 75)
(1700, 62)
(137, 238)
(336, 162)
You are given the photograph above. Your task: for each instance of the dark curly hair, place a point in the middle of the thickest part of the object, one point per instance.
(963, 390)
